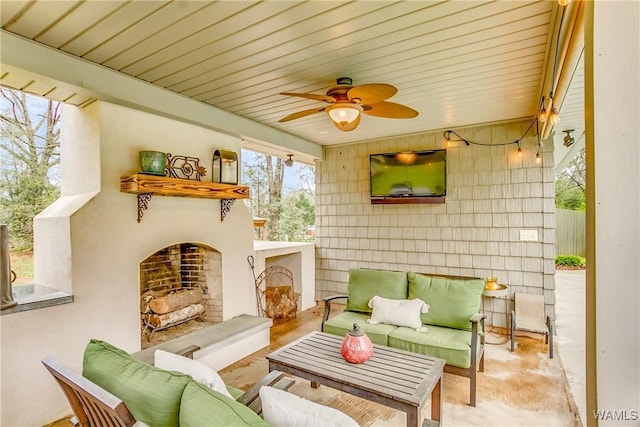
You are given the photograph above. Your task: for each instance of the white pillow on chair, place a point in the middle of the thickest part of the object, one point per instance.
(196, 370)
(284, 409)
(398, 312)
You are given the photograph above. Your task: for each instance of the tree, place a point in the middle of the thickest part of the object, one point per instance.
(264, 179)
(288, 218)
(29, 162)
(275, 176)
(571, 184)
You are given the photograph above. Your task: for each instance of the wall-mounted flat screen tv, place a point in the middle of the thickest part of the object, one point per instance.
(408, 177)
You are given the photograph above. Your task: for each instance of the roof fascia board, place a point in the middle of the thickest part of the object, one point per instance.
(112, 86)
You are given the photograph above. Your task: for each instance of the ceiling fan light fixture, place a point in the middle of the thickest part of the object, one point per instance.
(344, 113)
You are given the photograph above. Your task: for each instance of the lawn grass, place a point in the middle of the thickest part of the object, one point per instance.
(22, 265)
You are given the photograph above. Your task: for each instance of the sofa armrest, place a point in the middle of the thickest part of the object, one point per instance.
(477, 317)
(276, 379)
(327, 307)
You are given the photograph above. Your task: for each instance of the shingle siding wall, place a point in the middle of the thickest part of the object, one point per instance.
(492, 194)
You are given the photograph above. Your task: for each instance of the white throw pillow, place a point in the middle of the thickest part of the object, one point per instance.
(197, 370)
(399, 312)
(283, 409)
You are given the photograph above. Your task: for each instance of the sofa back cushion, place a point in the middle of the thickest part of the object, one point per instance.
(201, 406)
(365, 284)
(452, 302)
(152, 395)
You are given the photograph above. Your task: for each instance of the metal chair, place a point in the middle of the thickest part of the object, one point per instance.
(529, 316)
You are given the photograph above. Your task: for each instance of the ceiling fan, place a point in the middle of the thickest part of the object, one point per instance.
(347, 102)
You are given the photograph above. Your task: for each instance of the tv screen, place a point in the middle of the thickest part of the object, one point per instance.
(415, 176)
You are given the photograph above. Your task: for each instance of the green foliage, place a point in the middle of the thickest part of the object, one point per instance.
(26, 198)
(296, 216)
(30, 155)
(569, 197)
(570, 260)
(571, 185)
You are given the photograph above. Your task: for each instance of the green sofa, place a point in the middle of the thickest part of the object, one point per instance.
(158, 397)
(453, 327)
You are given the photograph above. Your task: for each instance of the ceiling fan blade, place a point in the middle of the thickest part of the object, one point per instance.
(371, 93)
(346, 127)
(390, 110)
(314, 96)
(301, 114)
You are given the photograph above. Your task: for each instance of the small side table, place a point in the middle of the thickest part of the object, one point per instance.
(501, 293)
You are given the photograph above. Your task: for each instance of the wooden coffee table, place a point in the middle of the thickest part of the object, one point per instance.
(399, 379)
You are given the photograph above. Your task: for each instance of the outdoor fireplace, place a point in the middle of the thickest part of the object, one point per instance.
(180, 284)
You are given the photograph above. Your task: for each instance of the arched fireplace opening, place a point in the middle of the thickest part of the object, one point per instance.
(180, 291)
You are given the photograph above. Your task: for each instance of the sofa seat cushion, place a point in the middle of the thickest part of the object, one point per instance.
(152, 395)
(201, 406)
(365, 284)
(453, 345)
(452, 302)
(343, 323)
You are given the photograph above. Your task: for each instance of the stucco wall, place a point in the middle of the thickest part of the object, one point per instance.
(612, 109)
(105, 246)
(492, 194)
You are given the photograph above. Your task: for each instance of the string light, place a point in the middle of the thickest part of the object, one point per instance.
(554, 117)
(542, 116)
(448, 134)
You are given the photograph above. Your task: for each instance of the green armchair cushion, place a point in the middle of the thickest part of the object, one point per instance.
(452, 302)
(365, 284)
(152, 395)
(201, 406)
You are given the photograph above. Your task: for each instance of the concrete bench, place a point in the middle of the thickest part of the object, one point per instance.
(218, 345)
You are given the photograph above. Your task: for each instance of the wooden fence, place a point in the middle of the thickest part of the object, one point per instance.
(570, 232)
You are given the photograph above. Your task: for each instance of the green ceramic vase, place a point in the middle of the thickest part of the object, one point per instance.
(153, 162)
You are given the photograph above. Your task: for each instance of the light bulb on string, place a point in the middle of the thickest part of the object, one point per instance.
(543, 115)
(554, 117)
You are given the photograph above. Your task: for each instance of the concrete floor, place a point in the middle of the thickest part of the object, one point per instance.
(521, 388)
(570, 332)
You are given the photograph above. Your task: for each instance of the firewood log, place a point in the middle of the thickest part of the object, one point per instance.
(162, 320)
(280, 302)
(175, 301)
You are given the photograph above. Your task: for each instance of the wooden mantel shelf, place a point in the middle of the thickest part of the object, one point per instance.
(146, 186)
(165, 186)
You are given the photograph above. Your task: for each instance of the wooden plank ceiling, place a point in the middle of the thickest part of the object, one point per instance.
(458, 63)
